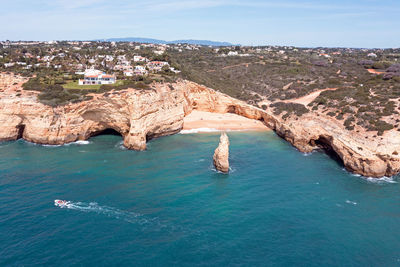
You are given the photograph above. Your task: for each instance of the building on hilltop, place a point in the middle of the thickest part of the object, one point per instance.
(140, 70)
(156, 65)
(92, 77)
(140, 59)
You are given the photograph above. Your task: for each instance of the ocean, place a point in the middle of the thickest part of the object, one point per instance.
(167, 206)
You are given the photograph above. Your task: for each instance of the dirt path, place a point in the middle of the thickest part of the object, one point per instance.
(307, 99)
(375, 71)
(237, 65)
(233, 66)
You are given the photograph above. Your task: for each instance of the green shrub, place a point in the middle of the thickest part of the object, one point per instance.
(290, 108)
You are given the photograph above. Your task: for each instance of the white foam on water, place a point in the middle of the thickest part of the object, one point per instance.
(211, 130)
(79, 142)
(120, 145)
(200, 130)
(131, 217)
(383, 180)
(212, 168)
(44, 145)
(351, 202)
(373, 180)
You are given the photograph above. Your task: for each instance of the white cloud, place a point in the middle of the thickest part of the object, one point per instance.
(74, 4)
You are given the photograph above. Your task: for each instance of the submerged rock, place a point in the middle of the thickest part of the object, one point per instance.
(221, 154)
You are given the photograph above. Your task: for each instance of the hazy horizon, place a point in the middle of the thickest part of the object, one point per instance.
(218, 41)
(356, 23)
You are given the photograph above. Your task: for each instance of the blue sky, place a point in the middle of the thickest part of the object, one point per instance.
(351, 23)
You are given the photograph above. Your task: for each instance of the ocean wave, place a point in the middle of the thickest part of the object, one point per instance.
(373, 180)
(212, 130)
(44, 145)
(79, 142)
(120, 145)
(383, 180)
(200, 130)
(212, 168)
(131, 217)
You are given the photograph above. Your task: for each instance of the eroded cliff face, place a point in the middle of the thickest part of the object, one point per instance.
(136, 115)
(139, 115)
(360, 152)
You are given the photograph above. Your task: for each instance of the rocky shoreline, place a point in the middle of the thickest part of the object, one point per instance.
(139, 115)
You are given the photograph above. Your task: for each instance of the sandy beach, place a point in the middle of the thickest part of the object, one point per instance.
(201, 121)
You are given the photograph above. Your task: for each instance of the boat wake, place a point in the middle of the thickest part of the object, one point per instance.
(131, 217)
(351, 202)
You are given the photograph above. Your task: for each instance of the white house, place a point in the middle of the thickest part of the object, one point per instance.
(156, 65)
(140, 70)
(109, 58)
(140, 59)
(92, 77)
(159, 52)
(8, 65)
(128, 73)
(123, 67)
(174, 70)
(121, 57)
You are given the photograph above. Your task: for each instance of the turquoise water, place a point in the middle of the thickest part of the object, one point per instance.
(167, 206)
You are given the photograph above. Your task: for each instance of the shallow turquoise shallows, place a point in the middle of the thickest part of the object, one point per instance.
(167, 206)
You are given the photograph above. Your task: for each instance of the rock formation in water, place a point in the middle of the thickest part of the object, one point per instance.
(139, 115)
(221, 154)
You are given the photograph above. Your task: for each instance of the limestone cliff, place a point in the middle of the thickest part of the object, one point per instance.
(139, 115)
(221, 154)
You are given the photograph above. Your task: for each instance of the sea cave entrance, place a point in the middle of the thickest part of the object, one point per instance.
(107, 131)
(324, 144)
(21, 129)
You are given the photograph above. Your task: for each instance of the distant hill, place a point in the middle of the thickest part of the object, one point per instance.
(157, 41)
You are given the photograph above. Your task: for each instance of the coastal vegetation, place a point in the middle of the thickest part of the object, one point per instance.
(358, 97)
(364, 84)
(289, 109)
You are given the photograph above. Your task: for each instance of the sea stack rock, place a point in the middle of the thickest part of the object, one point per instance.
(221, 154)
